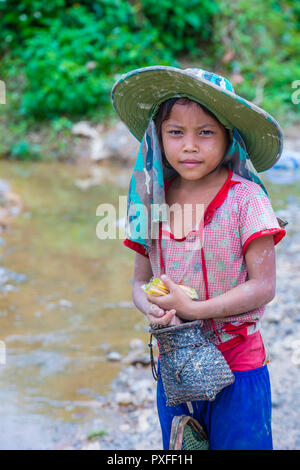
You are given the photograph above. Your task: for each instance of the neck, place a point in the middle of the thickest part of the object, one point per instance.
(207, 181)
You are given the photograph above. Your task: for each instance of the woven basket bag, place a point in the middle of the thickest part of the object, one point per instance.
(191, 367)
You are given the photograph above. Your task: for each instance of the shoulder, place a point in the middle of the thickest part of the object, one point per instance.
(245, 188)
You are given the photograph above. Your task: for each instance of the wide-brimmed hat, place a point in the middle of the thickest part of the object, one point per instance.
(136, 97)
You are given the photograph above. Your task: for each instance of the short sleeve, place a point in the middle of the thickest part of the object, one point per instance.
(257, 219)
(136, 247)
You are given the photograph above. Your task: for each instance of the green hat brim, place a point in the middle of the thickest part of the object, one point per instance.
(137, 94)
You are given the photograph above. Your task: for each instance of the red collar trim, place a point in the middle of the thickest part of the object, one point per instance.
(217, 200)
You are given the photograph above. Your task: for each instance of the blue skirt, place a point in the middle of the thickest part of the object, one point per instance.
(238, 419)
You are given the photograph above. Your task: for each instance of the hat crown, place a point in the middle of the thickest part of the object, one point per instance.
(218, 80)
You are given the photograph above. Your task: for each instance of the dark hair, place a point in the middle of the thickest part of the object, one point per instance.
(163, 114)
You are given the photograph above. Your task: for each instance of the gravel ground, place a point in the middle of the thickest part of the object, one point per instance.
(282, 332)
(129, 414)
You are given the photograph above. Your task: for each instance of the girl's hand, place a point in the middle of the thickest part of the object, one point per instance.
(177, 299)
(160, 317)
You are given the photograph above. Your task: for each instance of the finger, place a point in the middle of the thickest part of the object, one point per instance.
(154, 319)
(165, 320)
(167, 281)
(156, 310)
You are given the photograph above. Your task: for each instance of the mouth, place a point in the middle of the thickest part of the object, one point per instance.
(190, 163)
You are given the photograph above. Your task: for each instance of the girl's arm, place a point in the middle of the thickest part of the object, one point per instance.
(257, 291)
(142, 275)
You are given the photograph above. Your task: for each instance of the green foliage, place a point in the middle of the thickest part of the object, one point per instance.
(61, 58)
(96, 434)
(23, 150)
(264, 43)
(180, 25)
(70, 54)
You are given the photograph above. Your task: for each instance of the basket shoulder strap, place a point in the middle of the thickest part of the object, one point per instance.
(153, 368)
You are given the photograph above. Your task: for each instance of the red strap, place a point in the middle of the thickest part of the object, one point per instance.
(162, 268)
(204, 270)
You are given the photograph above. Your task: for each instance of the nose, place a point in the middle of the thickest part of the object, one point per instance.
(190, 143)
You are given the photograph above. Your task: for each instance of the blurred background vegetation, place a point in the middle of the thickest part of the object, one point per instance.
(59, 59)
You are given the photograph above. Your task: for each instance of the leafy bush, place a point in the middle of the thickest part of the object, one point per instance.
(23, 150)
(71, 54)
(182, 26)
(61, 58)
(264, 47)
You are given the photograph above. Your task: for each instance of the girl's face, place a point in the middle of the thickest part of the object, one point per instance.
(194, 142)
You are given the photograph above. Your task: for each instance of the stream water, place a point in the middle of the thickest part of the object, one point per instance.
(65, 303)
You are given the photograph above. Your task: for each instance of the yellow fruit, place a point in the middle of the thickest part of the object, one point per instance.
(192, 293)
(156, 287)
(159, 284)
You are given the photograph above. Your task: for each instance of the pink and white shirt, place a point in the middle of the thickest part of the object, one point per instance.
(239, 213)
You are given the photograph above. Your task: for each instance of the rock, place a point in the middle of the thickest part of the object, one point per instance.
(144, 391)
(137, 343)
(98, 150)
(136, 357)
(84, 129)
(137, 387)
(124, 399)
(275, 402)
(273, 316)
(4, 186)
(143, 420)
(124, 427)
(65, 303)
(8, 288)
(119, 143)
(61, 303)
(10, 204)
(114, 356)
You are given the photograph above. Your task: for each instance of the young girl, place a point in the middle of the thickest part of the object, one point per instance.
(202, 146)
